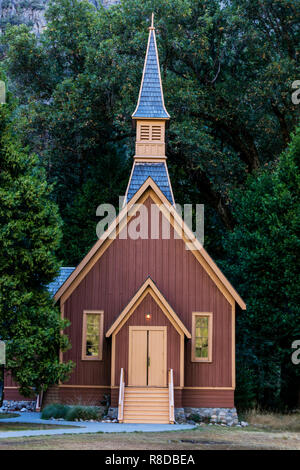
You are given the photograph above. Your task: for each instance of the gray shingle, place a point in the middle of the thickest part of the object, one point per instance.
(151, 99)
(64, 273)
(157, 171)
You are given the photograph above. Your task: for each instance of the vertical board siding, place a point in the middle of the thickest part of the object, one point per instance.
(158, 318)
(207, 398)
(114, 280)
(11, 391)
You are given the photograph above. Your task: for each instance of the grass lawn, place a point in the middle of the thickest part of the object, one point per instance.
(266, 431)
(204, 437)
(8, 415)
(5, 427)
(274, 421)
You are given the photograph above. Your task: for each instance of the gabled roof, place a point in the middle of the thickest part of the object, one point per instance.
(149, 287)
(150, 188)
(64, 273)
(157, 171)
(151, 99)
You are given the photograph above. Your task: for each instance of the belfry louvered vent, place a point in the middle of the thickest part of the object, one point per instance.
(145, 132)
(156, 132)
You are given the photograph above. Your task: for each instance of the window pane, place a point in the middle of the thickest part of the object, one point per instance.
(204, 332)
(201, 337)
(198, 352)
(202, 322)
(204, 352)
(92, 335)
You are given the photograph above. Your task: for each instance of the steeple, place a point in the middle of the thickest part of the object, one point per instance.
(150, 116)
(150, 103)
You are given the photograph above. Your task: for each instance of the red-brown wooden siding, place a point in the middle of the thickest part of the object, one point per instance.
(11, 391)
(207, 398)
(77, 396)
(111, 284)
(114, 280)
(158, 318)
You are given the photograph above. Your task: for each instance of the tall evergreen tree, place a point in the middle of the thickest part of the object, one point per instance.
(227, 75)
(263, 254)
(30, 232)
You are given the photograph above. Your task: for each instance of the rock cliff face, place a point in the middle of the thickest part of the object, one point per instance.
(31, 12)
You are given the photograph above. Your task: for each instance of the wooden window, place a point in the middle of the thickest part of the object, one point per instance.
(145, 132)
(92, 335)
(156, 132)
(150, 133)
(202, 337)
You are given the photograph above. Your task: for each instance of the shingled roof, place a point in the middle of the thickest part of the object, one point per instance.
(151, 100)
(157, 171)
(64, 273)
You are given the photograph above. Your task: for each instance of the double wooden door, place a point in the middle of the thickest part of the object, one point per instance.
(147, 356)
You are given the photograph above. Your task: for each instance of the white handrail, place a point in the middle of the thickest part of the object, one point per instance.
(121, 397)
(171, 397)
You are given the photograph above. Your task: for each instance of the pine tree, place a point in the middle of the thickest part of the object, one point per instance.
(30, 232)
(263, 254)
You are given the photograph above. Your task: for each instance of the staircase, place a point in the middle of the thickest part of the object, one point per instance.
(146, 404)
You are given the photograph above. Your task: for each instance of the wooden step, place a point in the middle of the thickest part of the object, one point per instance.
(133, 406)
(149, 389)
(133, 399)
(152, 416)
(146, 405)
(146, 392)
(146, 397)
(145, 421)
(146, 412)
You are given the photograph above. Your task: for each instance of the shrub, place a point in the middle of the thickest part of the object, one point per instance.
(196, 418)
(83, 412)
(55, 410)
(71, 413)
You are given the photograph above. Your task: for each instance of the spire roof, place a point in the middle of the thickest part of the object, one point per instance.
(151, 99)
(157, 171)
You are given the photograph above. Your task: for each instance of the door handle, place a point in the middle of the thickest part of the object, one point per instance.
(148, 361)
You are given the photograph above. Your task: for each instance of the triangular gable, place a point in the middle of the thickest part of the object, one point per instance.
(150, 188)
(148, 287)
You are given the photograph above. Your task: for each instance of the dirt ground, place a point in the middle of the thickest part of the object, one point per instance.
(204, 437)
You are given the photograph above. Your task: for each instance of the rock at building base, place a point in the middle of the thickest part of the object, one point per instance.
(14, 405)
(223, 416)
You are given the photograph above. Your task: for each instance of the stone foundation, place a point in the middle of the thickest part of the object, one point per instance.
(13, 405)
(226, 416)
(112, 413)
(179, 415)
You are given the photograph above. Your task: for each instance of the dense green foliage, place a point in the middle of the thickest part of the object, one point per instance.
(227, 71)
(227, 78)
(262, 258)
(29, 236)
(72, 413)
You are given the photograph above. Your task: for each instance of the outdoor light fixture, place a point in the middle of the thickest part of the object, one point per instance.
(148, 316)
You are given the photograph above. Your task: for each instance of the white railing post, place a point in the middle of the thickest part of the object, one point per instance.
(171, 397)
(121, 397)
